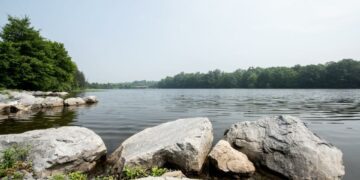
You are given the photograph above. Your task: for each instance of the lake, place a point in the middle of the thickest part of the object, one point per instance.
(332, 114)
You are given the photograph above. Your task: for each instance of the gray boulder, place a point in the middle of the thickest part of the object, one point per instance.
(285, 146)
(90, 99)
(58, 150)
(52, 102)
(74, 101)
(183, 143)
(229, 160)
(32, 102)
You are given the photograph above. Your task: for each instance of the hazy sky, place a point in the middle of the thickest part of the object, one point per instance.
(116, 41)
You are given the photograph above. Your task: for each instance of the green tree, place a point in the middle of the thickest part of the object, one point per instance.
(31, 62)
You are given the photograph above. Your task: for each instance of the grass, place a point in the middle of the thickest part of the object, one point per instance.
(13, 160)
(139, 172)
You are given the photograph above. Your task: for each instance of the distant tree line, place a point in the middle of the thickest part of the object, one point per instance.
(126, 85)
(31, 62)
(342, 74)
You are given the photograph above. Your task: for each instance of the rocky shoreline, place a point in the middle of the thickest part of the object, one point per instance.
(278, 147)
(19, 103)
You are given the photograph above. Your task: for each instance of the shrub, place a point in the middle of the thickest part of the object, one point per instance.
(13, 160)
(77, 176)
(58, 177)
(134, 172)
(156, 171)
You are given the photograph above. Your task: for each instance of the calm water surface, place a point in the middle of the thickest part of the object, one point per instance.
(332, 114)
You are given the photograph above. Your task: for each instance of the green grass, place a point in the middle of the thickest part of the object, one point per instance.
(139, 172)
(13, 160)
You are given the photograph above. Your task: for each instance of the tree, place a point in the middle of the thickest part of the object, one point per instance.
(31, 62)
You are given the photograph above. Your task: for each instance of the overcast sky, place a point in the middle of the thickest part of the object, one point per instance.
(117, 41)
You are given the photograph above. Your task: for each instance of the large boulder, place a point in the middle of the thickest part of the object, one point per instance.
(58, 150)
(74, 101)
(52, 102)
(183, 143)
(286, 147)
(229, 160)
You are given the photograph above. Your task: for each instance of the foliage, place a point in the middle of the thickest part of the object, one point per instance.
(77, 176)
(13, 160)
(58, 177)
(342, 74)
(139, 172)
(31, 62)
(134, 172)
(157, 171)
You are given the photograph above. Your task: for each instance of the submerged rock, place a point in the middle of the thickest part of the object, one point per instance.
(229, 160)
(286, 147)
(74, 101)
(58, 150)
(183, 143)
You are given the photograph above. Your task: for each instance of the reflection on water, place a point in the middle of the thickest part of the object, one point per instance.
(333, 114)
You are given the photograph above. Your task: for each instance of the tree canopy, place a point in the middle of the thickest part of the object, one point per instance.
(342, 74)
(31, 62)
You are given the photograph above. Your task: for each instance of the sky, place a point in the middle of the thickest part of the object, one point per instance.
(127, 40)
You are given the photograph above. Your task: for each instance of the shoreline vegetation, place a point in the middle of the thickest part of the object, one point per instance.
(331, 75)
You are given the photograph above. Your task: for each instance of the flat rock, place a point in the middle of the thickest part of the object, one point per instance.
(52, 102)
(176, 174)
(90, 99)
(74, 101)
(286, 147)
(58, 150)
(183, 143)
(229, 160)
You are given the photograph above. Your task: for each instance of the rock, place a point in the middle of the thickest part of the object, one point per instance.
(229, 160)
(41, 93)
(3, 97)
(176, 174)
(58, 150)
(183, 143)
(2, 107)
(286, 147)
(74, 101)
(16, 108)
(90, 99)
(52, 102)
(60, 94)
(32, 102)
(17, 95)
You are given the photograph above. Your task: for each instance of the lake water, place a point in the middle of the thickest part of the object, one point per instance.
(332, 114)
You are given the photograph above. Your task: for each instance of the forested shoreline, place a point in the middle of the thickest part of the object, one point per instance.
(341, 74)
